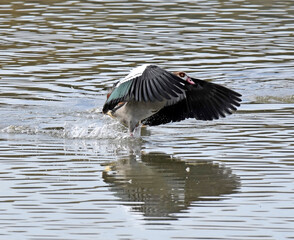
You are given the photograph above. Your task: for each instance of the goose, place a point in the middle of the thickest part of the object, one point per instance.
(150, 95)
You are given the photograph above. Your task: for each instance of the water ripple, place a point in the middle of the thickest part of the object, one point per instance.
(68, 172)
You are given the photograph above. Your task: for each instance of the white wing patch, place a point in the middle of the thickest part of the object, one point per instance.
(135, 72)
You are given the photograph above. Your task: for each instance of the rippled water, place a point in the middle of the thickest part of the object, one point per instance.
(67, 172)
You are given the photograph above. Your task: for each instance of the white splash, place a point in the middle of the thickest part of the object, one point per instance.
(92, 131)
(73, 131)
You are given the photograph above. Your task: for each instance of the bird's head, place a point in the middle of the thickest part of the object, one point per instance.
(184, 76)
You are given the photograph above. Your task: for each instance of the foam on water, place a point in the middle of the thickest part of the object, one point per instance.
(70, 130)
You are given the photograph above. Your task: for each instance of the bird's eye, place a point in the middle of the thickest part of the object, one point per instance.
(182, 74)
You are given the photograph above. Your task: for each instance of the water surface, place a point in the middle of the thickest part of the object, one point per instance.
(67, 172)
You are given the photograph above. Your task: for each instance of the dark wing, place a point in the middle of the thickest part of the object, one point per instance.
(153, 84)
(203, 101)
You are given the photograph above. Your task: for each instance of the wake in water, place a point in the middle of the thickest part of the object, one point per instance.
(85, 127)
(78, 132)
(71, 131)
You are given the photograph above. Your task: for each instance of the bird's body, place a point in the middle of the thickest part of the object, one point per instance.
(153, 96)
(132, 113)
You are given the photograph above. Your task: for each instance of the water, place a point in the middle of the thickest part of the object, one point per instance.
(67, 172)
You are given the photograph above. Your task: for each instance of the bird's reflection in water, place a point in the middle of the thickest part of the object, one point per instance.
(158, 185)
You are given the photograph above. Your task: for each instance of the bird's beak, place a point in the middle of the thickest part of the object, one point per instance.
(109, 114)
(190, 80)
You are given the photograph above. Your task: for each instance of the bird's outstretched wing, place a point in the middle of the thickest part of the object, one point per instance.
(202, 100)
(145, 83)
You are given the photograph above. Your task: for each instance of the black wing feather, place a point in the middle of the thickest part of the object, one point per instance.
(149, 86)
(138, 91)
(155, 91)
(164, 84)
(151, 94)
(162, 89)
(155, 75)
(145, 94)
(203, 101)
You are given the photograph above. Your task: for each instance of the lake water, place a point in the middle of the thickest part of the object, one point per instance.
(67, 172)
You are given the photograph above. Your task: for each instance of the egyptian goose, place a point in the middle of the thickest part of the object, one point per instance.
(152, 96)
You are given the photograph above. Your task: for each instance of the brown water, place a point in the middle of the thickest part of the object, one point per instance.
(67, 172)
